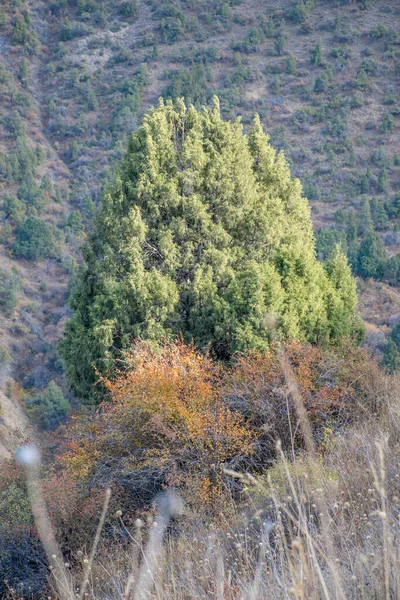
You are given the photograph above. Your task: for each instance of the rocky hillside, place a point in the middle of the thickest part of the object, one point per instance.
(76, 75)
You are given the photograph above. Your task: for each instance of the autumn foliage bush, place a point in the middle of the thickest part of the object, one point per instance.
(167, 424)
(176, 417)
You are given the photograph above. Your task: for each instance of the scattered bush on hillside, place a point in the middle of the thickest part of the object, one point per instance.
(391, 357)
(48, 408)
(130, 9)
(35, 240)
(5, 357)
(10, 284)
(372, 256)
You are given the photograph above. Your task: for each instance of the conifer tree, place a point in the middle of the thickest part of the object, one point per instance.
(316, 55)
(203, 233)
(395, 335)
(378, 214)
(365, 223)
(372, 256)
(23, 71)
(382, 181)
(391, 357)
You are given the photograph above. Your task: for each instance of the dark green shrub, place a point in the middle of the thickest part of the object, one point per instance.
(290, 65)
(379, 214)
(379, 31)
(392, 269)
(395, 335)
(49, 408)
(382, 181)
(372, 256)
(34, 240)
(327, 240)
(14, 209)
(391, 357)
(5, 357)
(172, 28)
(20, 30)
(252, 42)
(316, 55)
(10, 284)
(130, 9)
(279, 44)
(393, 206)
(387, 124)
(192, 84)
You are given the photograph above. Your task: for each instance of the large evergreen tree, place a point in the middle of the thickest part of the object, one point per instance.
(204, 233)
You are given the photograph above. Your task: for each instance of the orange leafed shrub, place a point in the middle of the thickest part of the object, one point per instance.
(175, 417)
(167, 423)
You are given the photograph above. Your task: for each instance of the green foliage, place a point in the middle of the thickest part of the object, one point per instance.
(382, 181)
(172, 26)
(395, 335)
(393, 206)
(34, 240)
(276, 85)
(391, 357)
(33, 195)
(191, 83)
(316, 55)
(3, 19)
(379, 31)
(203, 232)
(327, 240)
(252, 41)
(378, 214)
(75, 222)
(321, 83)
(365, 222)
(5, 357)
(10, 283)
(291, 65)
(22, 34)
(372, 256)
(23, 71)
(392, 269)
(20, 30)
(365, 181)
(300, 12)
(49, 408)
(66, 30)
(387, 124)
(279, 44)
(14, 209)
(344, 298)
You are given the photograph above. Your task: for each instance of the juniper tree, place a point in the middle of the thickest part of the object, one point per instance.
(202, 233)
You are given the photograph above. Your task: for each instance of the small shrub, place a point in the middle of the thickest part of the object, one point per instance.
(49, 408)
(5, 357)
(129, 9)
(387, 124)
(34, 240)
(10, 283)
(316, 55)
